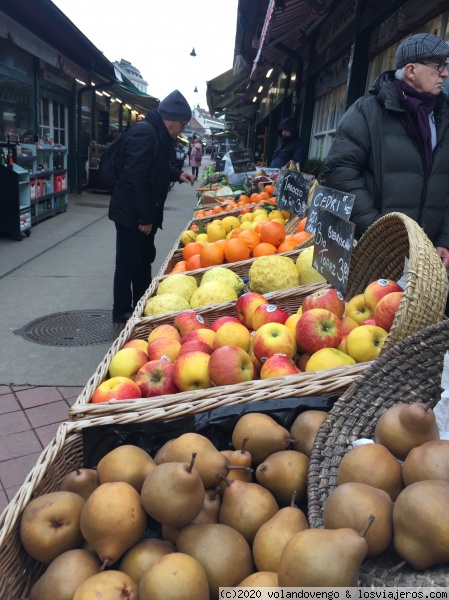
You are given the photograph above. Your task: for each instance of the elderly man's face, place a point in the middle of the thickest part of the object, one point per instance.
(286, 133)
(428, 76)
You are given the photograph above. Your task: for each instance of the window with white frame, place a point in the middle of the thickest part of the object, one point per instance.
(53, 124)
(327, 113)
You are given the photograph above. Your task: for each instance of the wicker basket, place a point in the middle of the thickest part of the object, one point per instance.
(380, 253)
(409, 372)
(18, 571)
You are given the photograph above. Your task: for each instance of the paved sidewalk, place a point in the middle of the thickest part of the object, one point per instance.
(67, 264)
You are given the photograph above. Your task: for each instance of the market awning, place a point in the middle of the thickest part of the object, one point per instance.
(134, 97)
(226, 90)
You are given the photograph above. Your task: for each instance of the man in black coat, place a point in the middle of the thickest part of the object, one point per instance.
(290, 147)
(137, 202)
(391, 148)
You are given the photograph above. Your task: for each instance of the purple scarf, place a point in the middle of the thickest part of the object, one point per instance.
(420, 106)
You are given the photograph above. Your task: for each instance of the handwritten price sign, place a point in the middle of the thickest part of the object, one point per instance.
(294, 192)
(332, 253)
(335, 201)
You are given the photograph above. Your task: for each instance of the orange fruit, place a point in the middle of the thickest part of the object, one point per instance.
(269, 189)
(217, 209)
(179, 266)
(273, 233)
(272, 200)
(254, 197)
(259, 225)
(231, 206)
(190, 249)
(193, 263)
(301, 236)
(301, 224)
(211, 255)
(287, 246)
(264, 195)
(244, 199)
(193, 227)
(236, 249)
(244, 210)
(264, 249)
(251, 239)
(200, 213)
(222, 243)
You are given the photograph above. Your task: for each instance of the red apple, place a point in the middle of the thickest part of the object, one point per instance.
(116, 388)
(155, 378)
(187, 321)
(229, 365)
(318, 328)
(348, 324)
(357, 309)
(245, 306)
(273, 338)
(232, 334)
(342, 345)
(160, 347)
(278, 365)
(268, 313)
(195, 345)
(221, 321)
(203, 335)
(191, 371)
(301, 360)
(126, 362)
(164, 330)
(256, 362)
(386, 308)
(328, 299)
(376, 290)
(140, 344)
(370, 321)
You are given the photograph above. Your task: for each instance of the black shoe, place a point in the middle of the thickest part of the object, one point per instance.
(122, 318)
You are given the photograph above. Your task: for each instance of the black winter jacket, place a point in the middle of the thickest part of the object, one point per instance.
(145, 173)
(290, 148)
(378, 155)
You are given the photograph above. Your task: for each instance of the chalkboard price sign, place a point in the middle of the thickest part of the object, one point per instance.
(294, 192)
(242, 161)
(334, 238)
(338, 202)
(220, 166)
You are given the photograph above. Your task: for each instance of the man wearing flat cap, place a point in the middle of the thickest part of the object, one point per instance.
(139, 194)
(392, 146)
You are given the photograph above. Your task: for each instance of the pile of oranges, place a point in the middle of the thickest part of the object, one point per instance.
(245, 203)
(268, 237)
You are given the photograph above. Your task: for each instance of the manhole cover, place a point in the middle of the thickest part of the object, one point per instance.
(72, 328)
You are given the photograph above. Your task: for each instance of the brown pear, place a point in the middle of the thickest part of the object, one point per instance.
(428, 461)
(322, 558)
(246, 507)
(126, 463)
(113, 520)
(64, 575)
(374, 465)
(272, 537)
(283, 473)
(304, 430)
(405, 426)
(80, 481)
(209, 461)
(143, 555)
(260, 579)
(222, 551)
(210, 509)
(170, 534)
(173, 493)
(351, 504)
(50, 525)
(159, 456)
(421, 524)
(241, 458)
(265, 436)
(175, 576)
(113, 585)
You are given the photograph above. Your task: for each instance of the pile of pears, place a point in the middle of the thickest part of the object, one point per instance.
(238, 517)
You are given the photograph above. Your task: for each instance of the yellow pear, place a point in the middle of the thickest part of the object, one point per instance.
(126, 463)
(80, 481)
(283, 473)
(143, 555)
(428, 461)
(260, 579)
(113, 585)
(304, 429)
(265, 436)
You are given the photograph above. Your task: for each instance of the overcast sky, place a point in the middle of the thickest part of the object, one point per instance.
(158, 36)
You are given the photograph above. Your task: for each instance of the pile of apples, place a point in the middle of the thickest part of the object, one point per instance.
(260, 341)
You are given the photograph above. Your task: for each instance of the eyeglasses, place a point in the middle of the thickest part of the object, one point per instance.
(439, 66)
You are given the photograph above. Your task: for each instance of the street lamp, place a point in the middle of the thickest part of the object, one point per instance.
(196, 89)
(193, 53)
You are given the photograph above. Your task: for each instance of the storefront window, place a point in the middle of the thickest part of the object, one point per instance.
(53, 127)
(114, 114)
(16, 117)
(327, 113)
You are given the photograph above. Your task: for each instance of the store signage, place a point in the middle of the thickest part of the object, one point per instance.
(336, 23)
(242, 161)
(56, 76)
(334, 200)
(294, 192)
(334, 237)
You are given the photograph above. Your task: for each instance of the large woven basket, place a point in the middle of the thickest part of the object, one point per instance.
(409, 372)
(18, 571)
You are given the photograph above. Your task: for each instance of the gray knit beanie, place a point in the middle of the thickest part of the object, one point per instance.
(175, 108)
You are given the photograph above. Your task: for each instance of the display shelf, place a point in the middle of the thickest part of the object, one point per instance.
(15, 203)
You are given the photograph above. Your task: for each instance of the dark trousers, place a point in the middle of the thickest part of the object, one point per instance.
(135, 252)
(195, 172)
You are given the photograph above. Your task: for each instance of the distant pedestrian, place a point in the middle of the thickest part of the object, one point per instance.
(180, 156)
(196, 156)
(137, 201)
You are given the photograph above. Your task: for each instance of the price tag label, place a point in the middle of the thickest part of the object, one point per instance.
(337, 202)
(294, 192)
(220, 166)
(332, 252)
(242, 161)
